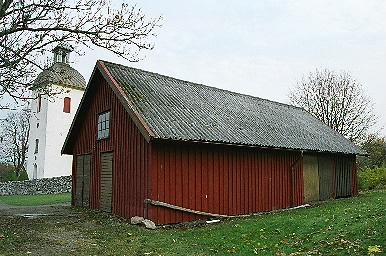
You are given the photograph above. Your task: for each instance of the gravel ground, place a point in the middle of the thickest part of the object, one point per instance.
(44, 210)
(39, 230)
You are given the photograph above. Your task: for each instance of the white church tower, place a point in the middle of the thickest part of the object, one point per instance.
(51, 116)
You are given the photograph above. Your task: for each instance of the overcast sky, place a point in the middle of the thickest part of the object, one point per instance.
(261, 47)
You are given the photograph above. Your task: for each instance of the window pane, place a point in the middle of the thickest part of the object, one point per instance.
(103, 125)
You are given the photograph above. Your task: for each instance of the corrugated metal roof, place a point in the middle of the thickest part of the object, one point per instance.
(180, 110)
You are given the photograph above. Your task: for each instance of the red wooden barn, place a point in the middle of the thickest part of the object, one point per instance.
(171, 151)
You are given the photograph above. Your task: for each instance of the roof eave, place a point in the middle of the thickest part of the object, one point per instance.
(257, 146)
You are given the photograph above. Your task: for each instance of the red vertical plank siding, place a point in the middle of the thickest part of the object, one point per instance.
(222, 179)
(256, 183)
(165, 185)
(172, 182)
(270, 170)
(205, 177)
(252, 186)
(266, 186)
(256, 167)
(240, 191)
(179, 181)
(210, 184)
(152, 188)
(126, 143)
(218, 164)
(198, 187)
(161, 183)
(192, 180)
(185, 181)
(234, 181)
(227, 176)
(230, 193)
(274, 186)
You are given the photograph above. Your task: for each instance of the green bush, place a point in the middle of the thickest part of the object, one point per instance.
(7, 173)
(23, 176)
(372, 178)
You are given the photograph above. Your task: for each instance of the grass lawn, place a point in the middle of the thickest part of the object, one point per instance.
(340, 227)
(33, 200)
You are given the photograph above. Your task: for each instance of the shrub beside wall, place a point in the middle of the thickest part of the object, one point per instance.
(54, 185)
(7, 173)
(372, 178)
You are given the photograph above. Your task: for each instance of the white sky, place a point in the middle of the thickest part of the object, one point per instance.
(261, 47)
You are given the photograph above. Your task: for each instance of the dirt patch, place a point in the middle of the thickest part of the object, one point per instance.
(42, 210)
(41, 230)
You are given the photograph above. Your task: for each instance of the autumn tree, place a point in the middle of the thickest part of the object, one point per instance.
(14, 140)
(375, 146)
(30, 28)
(338, 100)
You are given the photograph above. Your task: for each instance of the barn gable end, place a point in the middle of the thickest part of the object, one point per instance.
(125, 142)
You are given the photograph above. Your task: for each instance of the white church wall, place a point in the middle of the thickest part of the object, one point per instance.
(38, 125)
(52, 131)
(50, 125)
(58, 125)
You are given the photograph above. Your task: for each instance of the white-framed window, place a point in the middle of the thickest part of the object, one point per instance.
(103, 125)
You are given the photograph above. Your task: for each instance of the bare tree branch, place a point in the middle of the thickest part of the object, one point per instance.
(14, 139)
(338, 100)
(30, 28)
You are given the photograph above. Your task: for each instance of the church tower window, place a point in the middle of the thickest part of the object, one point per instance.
(36, 146)
(67, 105)
(39, 103)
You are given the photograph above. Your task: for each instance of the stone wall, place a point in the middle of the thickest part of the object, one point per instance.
(54, 185)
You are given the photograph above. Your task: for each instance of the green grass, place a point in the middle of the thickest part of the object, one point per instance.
(340, 227)
(33, 200)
